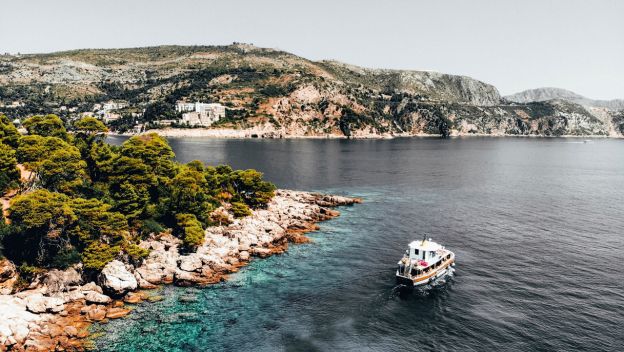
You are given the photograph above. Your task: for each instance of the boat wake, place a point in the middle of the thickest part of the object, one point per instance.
(441, 284)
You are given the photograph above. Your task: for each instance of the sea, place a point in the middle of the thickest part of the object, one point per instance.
(537, 226)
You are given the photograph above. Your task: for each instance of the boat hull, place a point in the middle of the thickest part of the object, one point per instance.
(421, 281)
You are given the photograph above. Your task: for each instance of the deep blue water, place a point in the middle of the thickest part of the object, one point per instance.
(536, 224)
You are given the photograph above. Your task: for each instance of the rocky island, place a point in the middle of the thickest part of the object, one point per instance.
(89, 226)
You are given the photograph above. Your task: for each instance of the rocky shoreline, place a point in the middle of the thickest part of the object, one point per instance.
(219, 133)
(55, 311)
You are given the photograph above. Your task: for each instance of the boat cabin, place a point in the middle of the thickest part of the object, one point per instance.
(425, 250)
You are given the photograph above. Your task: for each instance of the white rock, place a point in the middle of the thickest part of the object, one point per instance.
(116, 279)
(97, 298)
(190, 262)
(37, 303)
(20, 332)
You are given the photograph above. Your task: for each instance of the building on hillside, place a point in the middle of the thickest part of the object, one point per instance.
(201, 114)
(114, 105)
(182, 106)
(109, 117)
(164, 122)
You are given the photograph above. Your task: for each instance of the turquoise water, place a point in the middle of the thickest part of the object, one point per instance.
(536, 225)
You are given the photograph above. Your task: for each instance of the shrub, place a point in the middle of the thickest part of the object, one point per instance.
(240, 209)
(190, 229)
(98, 254)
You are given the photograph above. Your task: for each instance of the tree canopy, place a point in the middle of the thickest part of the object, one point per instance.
(46, 125)
(9, 173)
(93, 202)
(8, 132)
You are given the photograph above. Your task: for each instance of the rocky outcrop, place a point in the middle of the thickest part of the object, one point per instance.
(61, 280)
(8, 276)
(116, 279)
(265, 232)
(56, 313)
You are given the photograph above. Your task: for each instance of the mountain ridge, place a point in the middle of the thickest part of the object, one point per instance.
(550, 93)
(282, 94)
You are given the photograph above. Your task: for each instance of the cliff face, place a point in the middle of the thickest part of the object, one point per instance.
(280, 94)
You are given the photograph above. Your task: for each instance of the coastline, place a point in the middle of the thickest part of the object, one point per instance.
(251, 133)
(57, 309)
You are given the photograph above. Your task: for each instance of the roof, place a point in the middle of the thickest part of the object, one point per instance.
(427, 245)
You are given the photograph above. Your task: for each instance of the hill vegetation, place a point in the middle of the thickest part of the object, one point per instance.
(278, 93)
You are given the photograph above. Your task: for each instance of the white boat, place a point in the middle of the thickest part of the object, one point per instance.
(425, 262)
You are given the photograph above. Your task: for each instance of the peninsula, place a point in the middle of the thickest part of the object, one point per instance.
(86, 226)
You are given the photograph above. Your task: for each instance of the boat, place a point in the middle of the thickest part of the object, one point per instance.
(424, 263)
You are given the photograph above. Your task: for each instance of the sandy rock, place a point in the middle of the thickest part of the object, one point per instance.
(116, 279)
(55, 330)
(97, 298)
(135, 297)
(94, 312)
(7, 270)
(115, 313)
(8, 276)
(70, 331)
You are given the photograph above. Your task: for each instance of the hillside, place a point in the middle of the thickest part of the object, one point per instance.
(544, 94)
(279, 94)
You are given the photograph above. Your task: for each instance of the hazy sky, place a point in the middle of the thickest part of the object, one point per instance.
(515, 45)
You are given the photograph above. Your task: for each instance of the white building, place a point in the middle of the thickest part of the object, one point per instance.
(109, 117)
(113, 105)
(200, 114)
(184, 107)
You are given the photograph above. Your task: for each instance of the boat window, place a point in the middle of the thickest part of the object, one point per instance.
(416, 251)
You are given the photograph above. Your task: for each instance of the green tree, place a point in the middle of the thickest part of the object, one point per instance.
(9, 173)
(240, 209)
(190, 229)
(91, 127)
(90, 134)
(46, 126)
(131, 184)
(95, 221)
(9, 134)
(154, 151)
(63, 171)
(98, 254)
(190, 193)
(40, 218)
(57, 164)
(251, 189)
